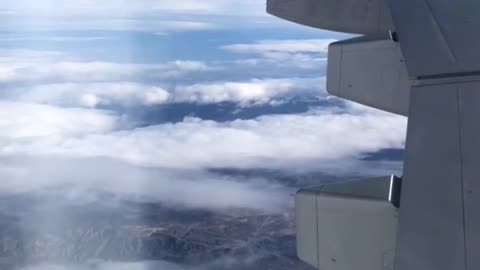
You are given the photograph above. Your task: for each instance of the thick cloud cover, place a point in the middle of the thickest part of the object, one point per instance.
(26, 121)
(58, 147)
(190, 188)
(169, 107)
(267, 141)
(63, 123)
(47, 146)
(256, 91)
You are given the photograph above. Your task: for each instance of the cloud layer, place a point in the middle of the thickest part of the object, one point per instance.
(65, 122)
(172, 187)
(282, 46)
(305, 53)
(108, 266)
(91, 95)
(110, 15)
(36, 67)
(255, 91)
(195, 143)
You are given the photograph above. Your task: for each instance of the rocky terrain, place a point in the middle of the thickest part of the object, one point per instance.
(50, 228)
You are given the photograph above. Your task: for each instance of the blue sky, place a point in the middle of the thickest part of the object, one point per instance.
(145, 97)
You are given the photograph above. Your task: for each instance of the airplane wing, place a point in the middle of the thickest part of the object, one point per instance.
(429, 69)
(369, 70)
(364, 17)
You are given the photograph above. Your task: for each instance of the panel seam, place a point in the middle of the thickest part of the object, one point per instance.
(318, 233)
(460, 133)
(340, 71)
(438, 29)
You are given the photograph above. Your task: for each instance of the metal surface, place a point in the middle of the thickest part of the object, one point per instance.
(376, 188)
(307, 228)
(439, 220)
(438, 36)
(439, 224)
(431, 235)
(347, 226)
(469, 99)
(351, 16)
(370, 71)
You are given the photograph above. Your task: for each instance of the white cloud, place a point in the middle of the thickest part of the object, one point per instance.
(301, 53)
(130, 8)
(62, 80)
(253, 91)
(43, 147)
(141, 15)
(112, 24)
(155, 96)
(25, 121)
(321, 138)
(58, 79)
(282, 46)
(28, 66)
(245, 93)
(92, 94)
(107, 266)
(30, 38)
(73, 143)
(287, 60)
(174, 188)
(222, 263)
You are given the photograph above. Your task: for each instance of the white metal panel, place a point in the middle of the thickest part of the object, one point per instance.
(369, 71)
(351, 16)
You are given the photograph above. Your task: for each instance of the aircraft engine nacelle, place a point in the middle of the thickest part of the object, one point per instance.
(370, 71)
(350, 225)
